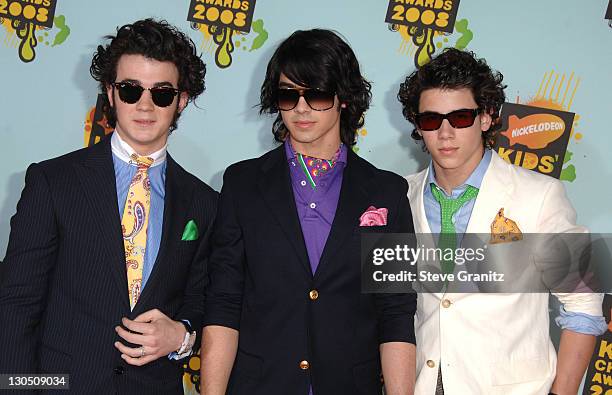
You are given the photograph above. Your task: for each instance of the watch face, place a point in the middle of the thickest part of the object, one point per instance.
(192, 338)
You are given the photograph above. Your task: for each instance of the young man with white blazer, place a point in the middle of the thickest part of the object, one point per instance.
(470, 343)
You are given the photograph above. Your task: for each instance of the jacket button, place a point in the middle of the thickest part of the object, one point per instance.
(446, 303)
(118, 369)
(314, 294)
(304, 365)
(431, 363)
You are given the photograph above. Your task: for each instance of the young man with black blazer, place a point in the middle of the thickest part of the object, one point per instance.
(284, 309)
(104, 273)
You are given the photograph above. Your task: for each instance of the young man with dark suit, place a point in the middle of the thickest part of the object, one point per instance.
(284, 309)
(104, 273)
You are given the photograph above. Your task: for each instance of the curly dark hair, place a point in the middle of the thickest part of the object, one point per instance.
(320, 59)
(154, 40)
(455, 69)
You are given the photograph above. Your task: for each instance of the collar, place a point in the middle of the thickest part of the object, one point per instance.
(290, 153)
(475, 179)
(123, 151)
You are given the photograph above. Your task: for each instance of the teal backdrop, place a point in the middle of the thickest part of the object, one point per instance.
(552, 53)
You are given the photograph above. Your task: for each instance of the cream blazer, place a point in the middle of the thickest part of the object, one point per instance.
(495, 343)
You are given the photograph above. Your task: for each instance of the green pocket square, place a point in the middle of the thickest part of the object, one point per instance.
(191, 231)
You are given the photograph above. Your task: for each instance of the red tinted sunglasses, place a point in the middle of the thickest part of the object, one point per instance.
(458, 119)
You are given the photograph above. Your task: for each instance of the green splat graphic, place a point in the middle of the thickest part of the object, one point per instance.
(568, 174)
(262, 34)
(62, 35)
(466, 34)
(355, 149)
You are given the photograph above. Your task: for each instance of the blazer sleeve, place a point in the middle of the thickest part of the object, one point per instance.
(28, 265)
(396, 311)
(557, 215)
(192, 309)
(226, 265)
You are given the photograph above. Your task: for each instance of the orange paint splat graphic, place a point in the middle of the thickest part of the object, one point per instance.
(550, 104)
(89, 119)
(557, 93)
(534, 131)
(90, 123)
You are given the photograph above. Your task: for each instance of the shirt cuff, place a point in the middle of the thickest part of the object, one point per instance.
(581, 323)
(174, 355)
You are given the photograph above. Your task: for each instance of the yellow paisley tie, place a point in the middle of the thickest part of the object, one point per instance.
(134, 225)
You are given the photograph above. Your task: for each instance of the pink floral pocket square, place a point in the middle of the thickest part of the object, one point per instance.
(374, 217)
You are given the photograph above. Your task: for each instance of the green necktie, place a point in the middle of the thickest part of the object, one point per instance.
(448, 234)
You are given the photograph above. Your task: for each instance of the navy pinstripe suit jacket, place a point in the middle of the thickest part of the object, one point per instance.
(261, 282)
(64, 288)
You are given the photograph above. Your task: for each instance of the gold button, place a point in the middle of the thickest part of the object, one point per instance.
(446, 303)
(431, 363)
(314, 294)
(304, 365)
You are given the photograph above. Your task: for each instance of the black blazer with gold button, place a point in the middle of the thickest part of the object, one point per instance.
(64, 287)
(261, 283)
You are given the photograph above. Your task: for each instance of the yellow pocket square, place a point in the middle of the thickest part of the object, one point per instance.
(504, 230)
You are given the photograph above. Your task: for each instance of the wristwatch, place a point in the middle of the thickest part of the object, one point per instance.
(188, 341)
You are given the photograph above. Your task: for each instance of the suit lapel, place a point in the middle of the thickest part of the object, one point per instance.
(416, 190)
(415, 196)
(177, 200)
(495, 191)
(97, 177)
(355, 198)
(274, 184)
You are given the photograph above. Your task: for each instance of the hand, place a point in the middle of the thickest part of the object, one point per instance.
(156, 334)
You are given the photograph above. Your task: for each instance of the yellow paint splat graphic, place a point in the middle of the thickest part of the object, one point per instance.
(557, 92)
(191, 377)
(416, 42)
(23, 35)
(222, 36)
(10, 40)
(223, 41)
(361, 133)
(90, 123)
(551, 86)
(421, 43)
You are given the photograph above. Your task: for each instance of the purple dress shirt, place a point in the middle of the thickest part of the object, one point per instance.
(316, 207)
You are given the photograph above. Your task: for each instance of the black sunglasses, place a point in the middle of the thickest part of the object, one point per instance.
(130, 93)
(459, 119)
(318, 100)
